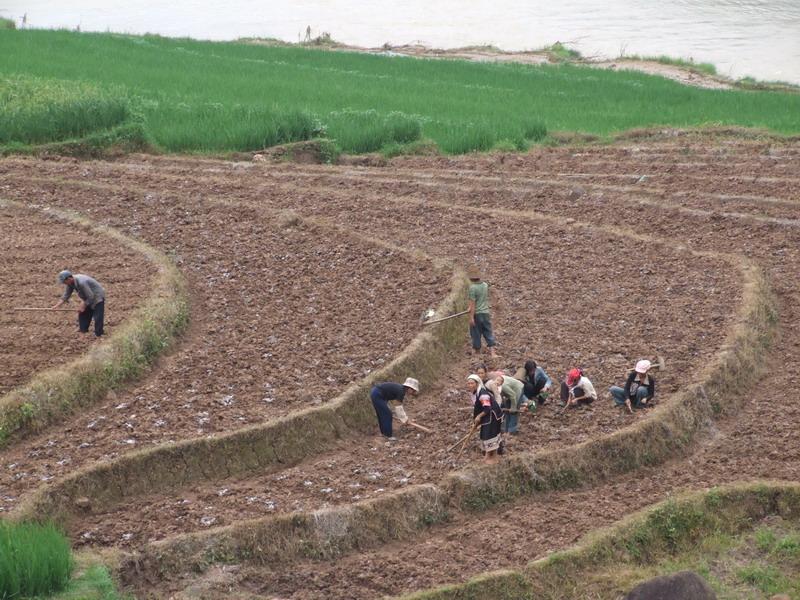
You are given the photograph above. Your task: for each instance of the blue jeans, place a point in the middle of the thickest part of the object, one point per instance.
(383, 412)
(618, 394)
(511, 419)
(482, 327)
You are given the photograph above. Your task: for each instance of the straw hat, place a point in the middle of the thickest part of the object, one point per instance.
(412, 383)
(473, 272)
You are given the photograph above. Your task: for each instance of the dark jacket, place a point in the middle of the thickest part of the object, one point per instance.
(632, 385)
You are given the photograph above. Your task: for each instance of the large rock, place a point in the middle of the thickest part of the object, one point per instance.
(685, 585)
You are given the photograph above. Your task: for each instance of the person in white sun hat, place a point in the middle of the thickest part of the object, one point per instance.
(387, 398)
(640, 387)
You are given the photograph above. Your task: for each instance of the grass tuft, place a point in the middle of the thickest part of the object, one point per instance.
(700, 67)
(34, 560)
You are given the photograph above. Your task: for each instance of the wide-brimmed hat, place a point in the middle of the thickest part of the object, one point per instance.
(643, 366)
(412, 383)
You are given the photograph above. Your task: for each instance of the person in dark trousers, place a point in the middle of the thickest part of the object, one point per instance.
(488, 416)
(387, 398)
(93, 300)
(640, 387)
(537, 383)
(480, 319)
(576, 389)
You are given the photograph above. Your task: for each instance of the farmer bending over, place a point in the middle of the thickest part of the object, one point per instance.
(577, 389)
(480, 321)
(93, 300)
(387, 398)
(640, 387)
(510, 391)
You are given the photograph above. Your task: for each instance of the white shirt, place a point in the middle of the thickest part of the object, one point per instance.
(588, 388)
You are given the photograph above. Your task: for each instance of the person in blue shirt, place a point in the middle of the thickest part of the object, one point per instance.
(538, 384)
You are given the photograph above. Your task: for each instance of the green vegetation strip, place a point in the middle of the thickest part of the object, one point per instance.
(66, 117)
(283, 441)
(125, 355)
(711, 532)
(253, 96)
(34, 560)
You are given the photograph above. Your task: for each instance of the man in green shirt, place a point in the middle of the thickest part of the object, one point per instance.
(480, 321)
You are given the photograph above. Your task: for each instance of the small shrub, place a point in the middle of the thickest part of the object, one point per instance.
(508, 146)
(767, 579)
(560, 52)
(416, 148)
(789, 545)
(7, 23)
(34, 560)
(765, 539)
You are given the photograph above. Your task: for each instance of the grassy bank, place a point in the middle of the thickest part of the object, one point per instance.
(34, 560)
(211, 97)
(743, 539)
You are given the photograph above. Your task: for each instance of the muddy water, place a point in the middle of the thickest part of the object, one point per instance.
(760, 38)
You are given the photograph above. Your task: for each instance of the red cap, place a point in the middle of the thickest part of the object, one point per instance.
(573, 376)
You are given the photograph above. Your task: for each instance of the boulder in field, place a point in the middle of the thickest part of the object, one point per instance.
(684, 585)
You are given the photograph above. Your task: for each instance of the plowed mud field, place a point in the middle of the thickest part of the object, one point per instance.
(596, 257)
(35, 247)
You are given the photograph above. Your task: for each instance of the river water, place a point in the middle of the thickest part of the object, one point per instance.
(760, 38)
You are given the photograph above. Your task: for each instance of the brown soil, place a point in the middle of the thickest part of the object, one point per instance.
(35, 247)
(708, 195)
(283, 317)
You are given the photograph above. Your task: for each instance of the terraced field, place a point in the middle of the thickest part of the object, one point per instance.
(304, 281)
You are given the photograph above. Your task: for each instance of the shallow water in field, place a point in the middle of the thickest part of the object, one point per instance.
(760, 38)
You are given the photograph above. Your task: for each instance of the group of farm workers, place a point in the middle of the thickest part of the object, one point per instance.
(497, 397)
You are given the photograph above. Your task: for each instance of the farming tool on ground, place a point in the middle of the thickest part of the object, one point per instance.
(427, 316)
(418, 426)
(32, 309)
(465, 443)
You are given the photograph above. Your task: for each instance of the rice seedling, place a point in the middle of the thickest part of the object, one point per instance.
(34, 560)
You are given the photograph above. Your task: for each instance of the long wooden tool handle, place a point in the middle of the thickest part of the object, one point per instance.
(460, 441)
(45, 309)
(420, 427)
(463, 312)
(466, 440)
